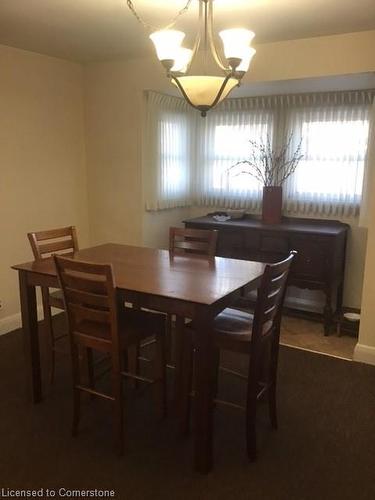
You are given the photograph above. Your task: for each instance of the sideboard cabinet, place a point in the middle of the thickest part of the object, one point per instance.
(321, 245)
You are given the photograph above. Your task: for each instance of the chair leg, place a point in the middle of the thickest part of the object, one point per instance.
(251, 443)
(90, 370)
(251, 438)
(255, 370)
(186, 385)
(133, 363)
(273, 383)
(168, 339)
(217, 369)
(160, 376)
(272, 405)
(76, 391)
(49, 326)
(118, 424)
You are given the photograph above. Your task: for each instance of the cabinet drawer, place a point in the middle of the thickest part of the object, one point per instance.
(313, 259)
(273, 243)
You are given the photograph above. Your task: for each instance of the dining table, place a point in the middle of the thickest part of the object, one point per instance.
(187, 286)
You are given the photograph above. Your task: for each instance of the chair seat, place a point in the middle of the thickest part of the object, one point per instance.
(134, 326)
(56, 299)
(234, 323)
(230, 325)
(233, 330)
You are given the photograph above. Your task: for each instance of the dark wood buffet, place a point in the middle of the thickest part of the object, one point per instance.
(321, 245)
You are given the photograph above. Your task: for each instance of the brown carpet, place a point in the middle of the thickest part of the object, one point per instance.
(324, 448)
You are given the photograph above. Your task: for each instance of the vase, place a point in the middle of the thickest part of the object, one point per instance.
(272, 204)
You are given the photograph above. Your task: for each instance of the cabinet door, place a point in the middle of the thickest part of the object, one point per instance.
(230, 244)
(313, 259)
(273, 246)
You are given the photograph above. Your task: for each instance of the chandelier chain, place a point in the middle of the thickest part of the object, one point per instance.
(154, 28)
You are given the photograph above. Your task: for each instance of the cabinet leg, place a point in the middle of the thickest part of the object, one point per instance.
(339, 301)
(340, 295)
(328, 313)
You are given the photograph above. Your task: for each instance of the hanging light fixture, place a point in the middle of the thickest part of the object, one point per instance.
(203, 92)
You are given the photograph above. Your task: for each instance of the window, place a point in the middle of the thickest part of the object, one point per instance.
(329, 178)
(174, 155)
(223, 141)
(167, 152)
(191, 160)
(335, 152)
(231, 146)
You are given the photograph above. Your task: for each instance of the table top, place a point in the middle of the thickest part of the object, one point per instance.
(324, 227)
(190, 278)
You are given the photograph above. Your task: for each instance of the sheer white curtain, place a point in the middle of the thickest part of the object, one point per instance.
(369, 175)
(222, 141)
(333, 128)
(188, 159)
(167, 152)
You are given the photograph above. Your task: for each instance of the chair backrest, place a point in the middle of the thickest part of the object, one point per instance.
(90, 298)
(62, 241)
(193, 241)
(271, 294)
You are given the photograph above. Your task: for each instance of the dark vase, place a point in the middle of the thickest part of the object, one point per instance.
(272, 204)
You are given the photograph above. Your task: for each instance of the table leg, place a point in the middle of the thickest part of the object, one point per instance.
(178, 361)
(205, 380)
(183, 376)
(30, 335)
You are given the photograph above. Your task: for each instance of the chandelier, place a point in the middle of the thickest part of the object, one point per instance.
(203, 91)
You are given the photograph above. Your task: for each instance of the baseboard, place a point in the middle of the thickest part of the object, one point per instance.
(14, 321)
(10, 323)
(364, 354)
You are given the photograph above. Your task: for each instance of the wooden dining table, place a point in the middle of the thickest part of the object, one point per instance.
(187, 286)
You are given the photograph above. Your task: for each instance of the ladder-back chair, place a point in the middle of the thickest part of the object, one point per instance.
(256, 335)
(61, 241)
(98, 321)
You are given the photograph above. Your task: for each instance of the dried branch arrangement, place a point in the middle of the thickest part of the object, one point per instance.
(271, 166)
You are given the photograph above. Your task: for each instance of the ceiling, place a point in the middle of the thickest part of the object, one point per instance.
(89, 30)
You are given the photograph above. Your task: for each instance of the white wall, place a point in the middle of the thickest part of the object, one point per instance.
(42, 159)
(114, 116)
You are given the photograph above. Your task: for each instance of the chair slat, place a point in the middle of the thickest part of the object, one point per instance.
(271, 294)
(192, 245)
(82, 313)
(56, 246)
(86, 298)
(40, 250)
(269, 314)
(52, 234)
(199, 241)
(85, 284)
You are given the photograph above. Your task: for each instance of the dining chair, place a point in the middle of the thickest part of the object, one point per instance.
(199, 242)
(256, 335)
(192, 241)
(98, 320)
(61, 241)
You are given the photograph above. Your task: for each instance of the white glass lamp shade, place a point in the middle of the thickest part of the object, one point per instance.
(247, 56)
(203, 90)
(167, 43)
(235, 41)
(182, 60)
